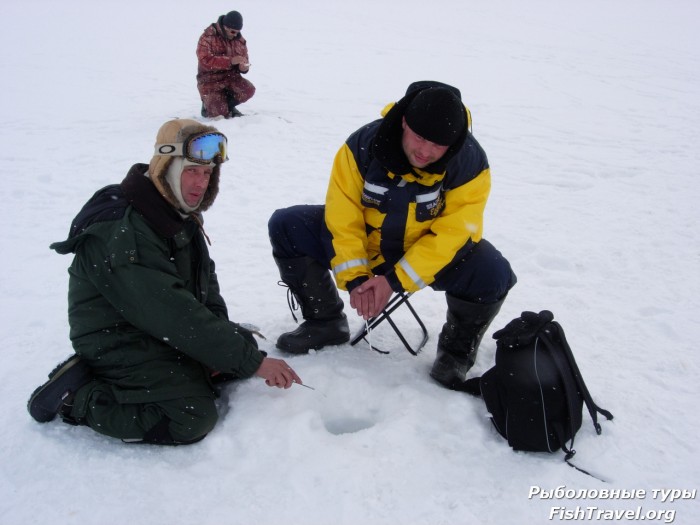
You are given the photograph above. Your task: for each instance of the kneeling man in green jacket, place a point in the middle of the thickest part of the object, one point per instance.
(148, 324)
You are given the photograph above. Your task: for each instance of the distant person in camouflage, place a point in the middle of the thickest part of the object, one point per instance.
(222, 53)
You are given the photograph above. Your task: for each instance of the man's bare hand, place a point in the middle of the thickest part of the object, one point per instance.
(276, 372)
(370, 298)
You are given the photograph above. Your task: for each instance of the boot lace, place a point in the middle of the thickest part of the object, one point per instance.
(292, 300)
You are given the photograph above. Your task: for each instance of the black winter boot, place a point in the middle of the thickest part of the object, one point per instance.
(232, 110)
(56, 395)
(460, 338)
(314, 289)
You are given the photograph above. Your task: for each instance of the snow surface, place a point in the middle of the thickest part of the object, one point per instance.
(590, 115)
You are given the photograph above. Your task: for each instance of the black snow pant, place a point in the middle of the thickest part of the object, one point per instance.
(479, 273)
(170, 422)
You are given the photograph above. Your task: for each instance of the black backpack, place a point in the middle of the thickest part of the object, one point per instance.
(535, 392)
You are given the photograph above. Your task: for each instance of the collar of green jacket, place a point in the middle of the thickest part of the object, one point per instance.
(142, 194)
(110, 203)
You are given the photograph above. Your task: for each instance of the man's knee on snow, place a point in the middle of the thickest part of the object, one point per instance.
(296, 231)
(481, 275)
(189, 428)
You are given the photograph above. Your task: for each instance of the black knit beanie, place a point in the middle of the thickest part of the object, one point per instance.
(437, 115)
(234, 20)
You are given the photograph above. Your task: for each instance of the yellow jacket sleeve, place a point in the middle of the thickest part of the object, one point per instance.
(345, 220)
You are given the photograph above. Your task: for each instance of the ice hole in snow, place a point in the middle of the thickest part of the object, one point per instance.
(347, 425)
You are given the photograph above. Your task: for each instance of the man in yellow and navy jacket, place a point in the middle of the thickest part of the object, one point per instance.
(404, 210)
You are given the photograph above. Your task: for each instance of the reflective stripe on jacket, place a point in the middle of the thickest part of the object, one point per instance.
(412, 223)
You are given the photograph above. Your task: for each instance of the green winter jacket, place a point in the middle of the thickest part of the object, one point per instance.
(143, 299)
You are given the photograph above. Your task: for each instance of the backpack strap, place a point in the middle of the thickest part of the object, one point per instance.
(570, 392)
(584, 471)
(470, 386)
(593, 409)
(559, 432)
(561, 362)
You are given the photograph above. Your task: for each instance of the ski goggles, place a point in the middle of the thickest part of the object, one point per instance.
(200, 148)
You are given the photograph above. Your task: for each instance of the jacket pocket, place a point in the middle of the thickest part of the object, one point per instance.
(374, 196)
(429, 205)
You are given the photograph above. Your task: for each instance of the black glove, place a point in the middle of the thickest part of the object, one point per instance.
(524, 329)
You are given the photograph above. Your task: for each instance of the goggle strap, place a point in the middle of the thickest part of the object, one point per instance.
(169, 150)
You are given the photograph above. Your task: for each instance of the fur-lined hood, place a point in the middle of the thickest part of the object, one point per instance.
(176, 131)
